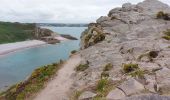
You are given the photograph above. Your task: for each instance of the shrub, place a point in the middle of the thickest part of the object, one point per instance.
(127, 68)
(101, 86)
(33, 84)
(104, 74)
(108, 67)
(82, 67)
(137, 73)
(162, 15)
(167, 34)
(73, 52)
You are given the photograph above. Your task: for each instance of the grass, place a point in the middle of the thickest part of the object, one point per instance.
(82, 67)
(108, 67)
(127, 68)
(137, 73)
(162, 15)
(167, 34)
(33, 84)
(13, 32)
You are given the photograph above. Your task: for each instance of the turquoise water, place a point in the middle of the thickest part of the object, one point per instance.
(17, 66)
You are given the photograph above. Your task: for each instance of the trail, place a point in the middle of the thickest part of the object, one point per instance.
(57, 88)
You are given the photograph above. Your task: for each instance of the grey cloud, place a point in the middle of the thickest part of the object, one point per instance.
(72, 11)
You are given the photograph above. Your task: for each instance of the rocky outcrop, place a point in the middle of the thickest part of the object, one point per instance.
(131, 34)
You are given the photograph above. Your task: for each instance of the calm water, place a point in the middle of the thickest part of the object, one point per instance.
(17, 66)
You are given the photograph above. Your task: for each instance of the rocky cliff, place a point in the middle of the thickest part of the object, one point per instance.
(126, 53)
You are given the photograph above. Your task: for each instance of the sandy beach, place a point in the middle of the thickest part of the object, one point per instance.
(11, 47)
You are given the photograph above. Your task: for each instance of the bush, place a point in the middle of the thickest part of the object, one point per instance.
(82, 67)
(101, 86)
(108, 67)
(162, 15)
(73, 52)
(33, 84)
(138, 74)
(127, 68)
(104, 74)
(167, 34)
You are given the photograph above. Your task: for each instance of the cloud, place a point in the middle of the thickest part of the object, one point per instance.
(58, 11)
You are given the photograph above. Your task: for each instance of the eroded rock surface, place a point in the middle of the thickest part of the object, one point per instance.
(133, 34)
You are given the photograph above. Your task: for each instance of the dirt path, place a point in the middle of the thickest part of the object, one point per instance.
(57, 89)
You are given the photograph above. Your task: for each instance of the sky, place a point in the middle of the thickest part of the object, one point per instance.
(58, 11)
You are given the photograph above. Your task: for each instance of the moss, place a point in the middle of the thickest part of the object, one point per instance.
(33, 84)
(104, 74)
(162, 15)
(137, 73)
(90, 38)
(166, 37)
(76, 95)
(127, 68)
(113, 18)
(82, 67)
(108, 67)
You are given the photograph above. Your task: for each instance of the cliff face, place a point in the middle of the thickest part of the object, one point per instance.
(134, 41)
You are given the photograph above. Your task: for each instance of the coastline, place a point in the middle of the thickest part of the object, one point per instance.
(13, 47)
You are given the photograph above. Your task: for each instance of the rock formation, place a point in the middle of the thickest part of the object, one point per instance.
(130, 36)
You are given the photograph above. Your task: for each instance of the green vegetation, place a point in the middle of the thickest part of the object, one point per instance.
(162, 15)
(73, 52)
(104, 74)
(127, 68)
(137, 73)
(167, 34)
(82, 67)
(76, 95)
(13, 32)
(91, 38)
(33, 84)
(108, 67)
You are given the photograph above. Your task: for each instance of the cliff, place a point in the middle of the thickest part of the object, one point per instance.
(126, 53)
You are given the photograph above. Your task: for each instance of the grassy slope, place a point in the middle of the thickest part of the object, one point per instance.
(36, 82)
(13, 32)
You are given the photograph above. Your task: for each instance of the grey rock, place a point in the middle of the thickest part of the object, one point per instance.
(116, 94)
(87, 95)
(131, 86)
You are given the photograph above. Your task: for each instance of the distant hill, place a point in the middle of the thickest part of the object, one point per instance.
(62, 25)
(13, 32)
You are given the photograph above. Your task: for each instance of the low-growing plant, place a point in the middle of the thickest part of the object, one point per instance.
(167, 34)
(73, 52)
(104, 74)
(138, 73)
(33, 84)
(108, 67)
(101, 86)
(82, 67)
(162, 15)
(127, 68)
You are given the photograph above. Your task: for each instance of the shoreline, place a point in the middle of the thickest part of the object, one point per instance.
(17, 46)
(13, 47)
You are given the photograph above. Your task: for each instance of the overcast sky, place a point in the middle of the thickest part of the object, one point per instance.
(58, 11)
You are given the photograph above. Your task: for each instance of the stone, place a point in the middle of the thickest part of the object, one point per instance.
(115, 94)
(131, 86)
(148, 97)
(87, 95)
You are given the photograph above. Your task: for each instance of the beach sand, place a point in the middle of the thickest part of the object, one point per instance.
(11, 47)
